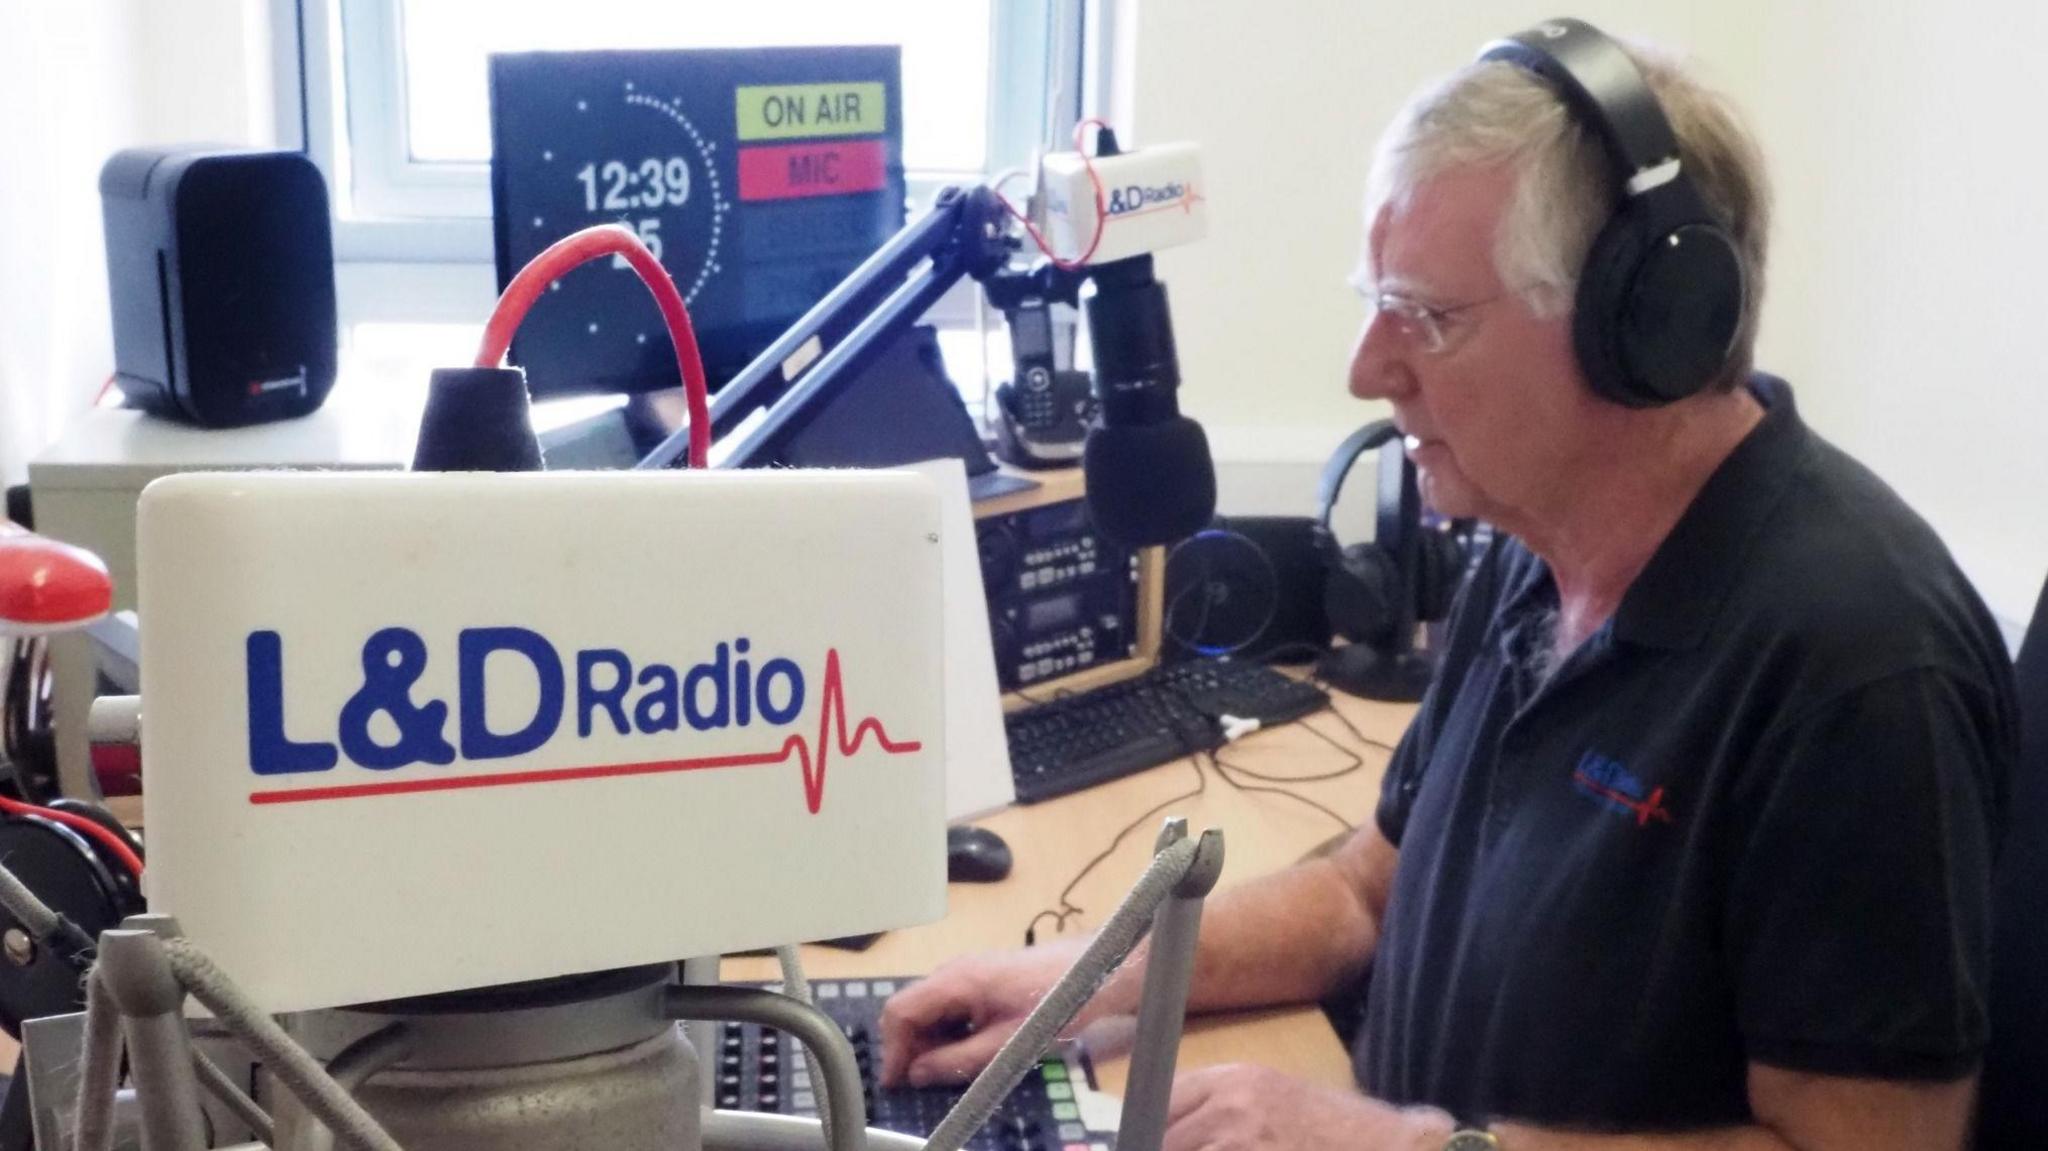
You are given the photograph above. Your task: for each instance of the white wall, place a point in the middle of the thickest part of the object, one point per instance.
(64, 86)
(206, 77)
(1907, 301)
(80, 79)
(1287, 99)
(1902, 298)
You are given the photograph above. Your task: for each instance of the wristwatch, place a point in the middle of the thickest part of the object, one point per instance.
(1471, 1140)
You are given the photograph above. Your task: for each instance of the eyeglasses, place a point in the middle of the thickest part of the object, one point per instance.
(1416, 320)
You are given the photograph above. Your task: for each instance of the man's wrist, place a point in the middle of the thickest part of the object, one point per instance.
(1124, 990)
(1428, 1129)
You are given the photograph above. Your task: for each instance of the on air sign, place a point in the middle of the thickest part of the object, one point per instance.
(828, 118)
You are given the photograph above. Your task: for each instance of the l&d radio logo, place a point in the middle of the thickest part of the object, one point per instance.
(384, 726)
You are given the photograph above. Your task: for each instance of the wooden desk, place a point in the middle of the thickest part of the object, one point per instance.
(1051, 841)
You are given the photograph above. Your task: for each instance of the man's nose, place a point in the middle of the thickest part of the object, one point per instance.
(1378, 369)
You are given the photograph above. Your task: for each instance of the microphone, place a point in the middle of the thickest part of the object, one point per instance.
(477, 420)
(1147, 469)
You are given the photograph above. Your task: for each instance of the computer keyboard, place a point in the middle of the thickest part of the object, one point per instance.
(761, 1070)
(1076, 741)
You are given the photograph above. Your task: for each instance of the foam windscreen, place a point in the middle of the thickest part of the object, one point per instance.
(477, 420)
(1150, 484)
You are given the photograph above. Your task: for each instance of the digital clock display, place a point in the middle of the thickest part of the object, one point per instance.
(759, 177)
(655, 184)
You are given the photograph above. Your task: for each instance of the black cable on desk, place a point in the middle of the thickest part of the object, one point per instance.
(1315, 680)
(1223, 770)
(1066, 908)
(1348, 725)
(1356, 762)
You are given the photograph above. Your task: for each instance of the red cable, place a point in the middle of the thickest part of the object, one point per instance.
(1101, 208)
(577, 248)
(79, 823)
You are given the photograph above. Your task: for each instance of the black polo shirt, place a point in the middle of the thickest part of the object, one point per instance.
(1751, 818)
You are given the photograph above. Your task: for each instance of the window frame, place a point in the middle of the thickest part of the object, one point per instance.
(341, 91)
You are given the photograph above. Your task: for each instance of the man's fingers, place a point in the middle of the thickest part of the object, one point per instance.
(1190, 1089)
(1193, 1128)
(930, 1001)
(957, 1062)
(914, 1018)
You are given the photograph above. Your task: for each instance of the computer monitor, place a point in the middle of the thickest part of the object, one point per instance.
(760, 177)
(902, 408)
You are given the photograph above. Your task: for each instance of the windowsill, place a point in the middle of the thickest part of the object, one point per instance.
(398, 321)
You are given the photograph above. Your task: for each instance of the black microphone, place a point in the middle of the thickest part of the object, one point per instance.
(1147, 468)
(477, 420)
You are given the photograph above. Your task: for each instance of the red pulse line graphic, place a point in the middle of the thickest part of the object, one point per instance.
(832, 734)
(1644, 809)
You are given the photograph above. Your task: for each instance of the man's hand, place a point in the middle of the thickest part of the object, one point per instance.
(1289, 937)
(1242, 1106)
(947, 1026)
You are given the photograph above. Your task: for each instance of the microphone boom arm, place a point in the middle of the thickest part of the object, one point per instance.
(1150, 479)
(963, 235)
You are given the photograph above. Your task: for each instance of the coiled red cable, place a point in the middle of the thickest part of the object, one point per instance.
(83, 826)
(1101, 208)
(580, 247)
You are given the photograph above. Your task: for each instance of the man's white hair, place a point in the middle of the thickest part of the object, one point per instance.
(1494, 114)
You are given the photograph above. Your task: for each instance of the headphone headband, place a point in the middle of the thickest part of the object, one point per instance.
(1662, 290)
(1606, 92)
(1373, 435)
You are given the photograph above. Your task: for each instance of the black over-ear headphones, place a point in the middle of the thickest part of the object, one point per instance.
(1376, 592)
(1662, 291)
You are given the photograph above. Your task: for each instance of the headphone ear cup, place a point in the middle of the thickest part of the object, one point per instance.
(1440, 562)
(1598, 311)
(1358, 595)
(1679, 317)
(1657, 308)
(1330, 557)
(106, 820)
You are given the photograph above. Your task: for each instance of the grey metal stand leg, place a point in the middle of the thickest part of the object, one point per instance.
(74, 679)
(1162, 1008)
(1171, 866)
(703, 1033)
(141, 984)
(811, 1027)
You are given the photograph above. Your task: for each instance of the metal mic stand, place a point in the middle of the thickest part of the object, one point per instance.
(136, 994)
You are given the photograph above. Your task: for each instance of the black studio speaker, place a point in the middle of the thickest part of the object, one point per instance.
(220, 265)
(1250, 587)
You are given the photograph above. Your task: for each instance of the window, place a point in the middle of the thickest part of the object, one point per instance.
(397, 108)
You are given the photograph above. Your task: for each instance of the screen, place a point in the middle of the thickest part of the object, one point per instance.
(1048, 614)
(760, 178)
(1060, 521)
(1031, 334)
(903, 408)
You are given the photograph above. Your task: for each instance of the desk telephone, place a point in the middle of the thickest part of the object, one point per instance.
(1043, 413)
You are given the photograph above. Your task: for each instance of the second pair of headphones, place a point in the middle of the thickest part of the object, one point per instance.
(1376, 592)
(1662, 292)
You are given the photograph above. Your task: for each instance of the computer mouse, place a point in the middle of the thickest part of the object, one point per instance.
(976, 855)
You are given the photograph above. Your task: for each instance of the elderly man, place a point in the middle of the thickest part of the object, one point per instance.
(1688, 846)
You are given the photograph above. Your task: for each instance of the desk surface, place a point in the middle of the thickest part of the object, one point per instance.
(1051, 841)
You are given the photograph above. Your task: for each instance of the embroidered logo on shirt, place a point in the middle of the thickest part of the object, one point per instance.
(1613, 786)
